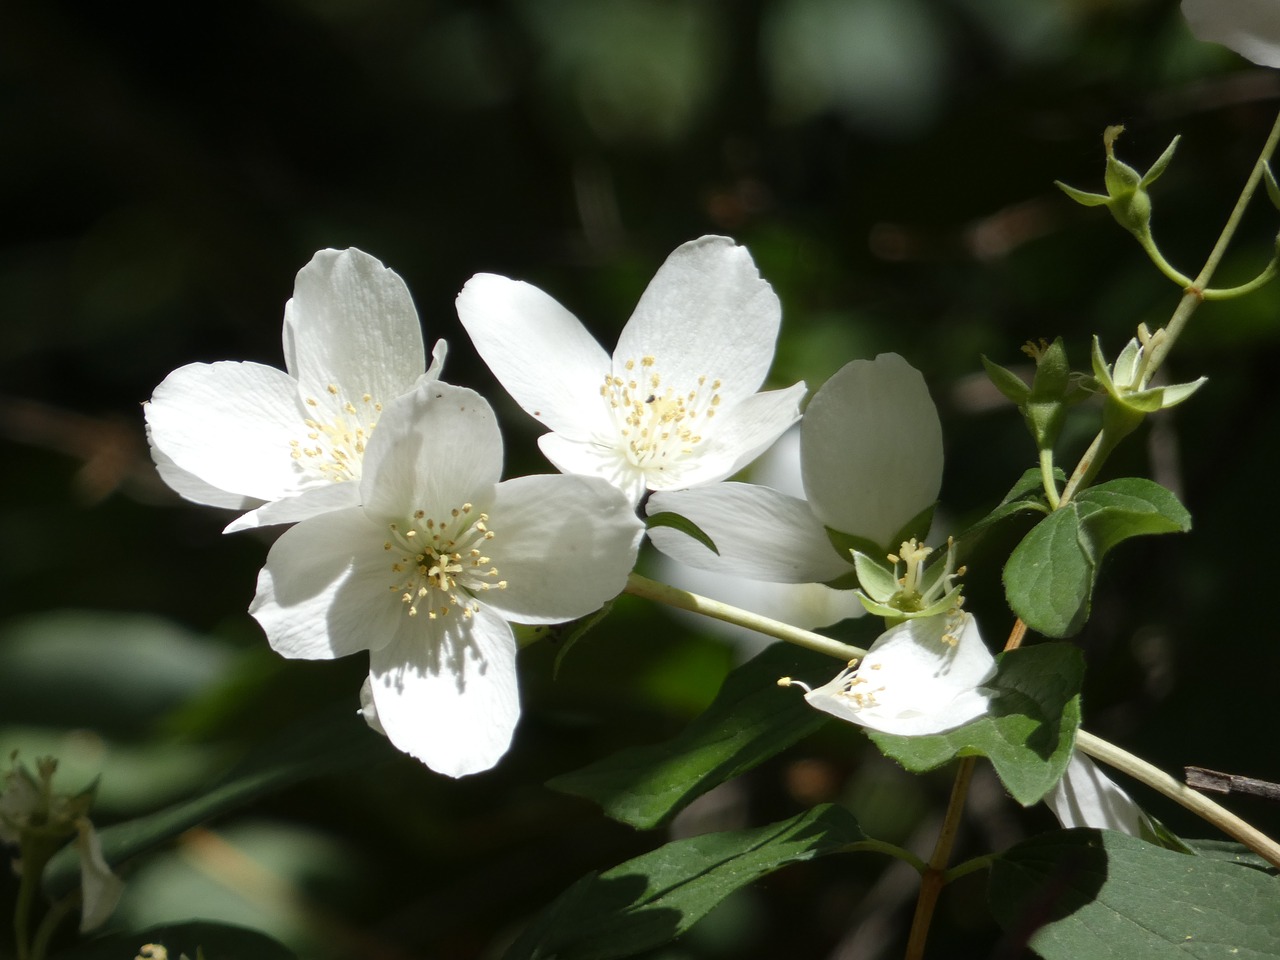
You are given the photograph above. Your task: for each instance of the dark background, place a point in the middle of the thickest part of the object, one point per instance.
(164, 172)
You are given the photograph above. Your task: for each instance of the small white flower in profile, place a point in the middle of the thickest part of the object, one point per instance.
(291, 442)
(923, 676)
(871, 459)
(1087, 797)
(426, 573)
(676, 405)
(1249, 27)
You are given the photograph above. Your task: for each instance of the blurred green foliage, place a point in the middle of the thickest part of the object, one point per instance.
(165, 171)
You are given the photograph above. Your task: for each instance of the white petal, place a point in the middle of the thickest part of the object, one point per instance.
(760, 533)
(438, 354)
(1086, 797)
(369, 710)
(706, 312)
(539, 352)
(352, 323)
(779, 466)
(592, 459)
(741, 433)
(446, 692)
(309, 503)
(871, 448)
(913, 682)
(190, 487)
(1249, 27)
(100, 889)
(564, 544)
(325, 591)
(434, 450)
(230, 425)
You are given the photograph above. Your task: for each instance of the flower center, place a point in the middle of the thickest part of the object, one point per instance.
(334, 447)
(656, 423)
(441, 564)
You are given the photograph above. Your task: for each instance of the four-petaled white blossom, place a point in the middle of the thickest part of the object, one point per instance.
(676, 405)
(239, 434)
(871, 459)
(1249, 27)
(921, 677)
(428, 571)
(1086, 797)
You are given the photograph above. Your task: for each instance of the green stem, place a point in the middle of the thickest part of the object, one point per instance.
(1197, 803)
(1047, 478)
(893, 850)
(684, 600)
(49, 926)
(1164, 266)
(1194, 293)
(969, 866)
(1230, 293)
(27, 887)
(934, 877)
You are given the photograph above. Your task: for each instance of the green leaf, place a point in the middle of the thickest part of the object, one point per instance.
(675, 521)
(750, 720)
(1093, 893)
(334, 742)
(649, 901)
(214, 941)
(1006, 381)
(1028, 735)
(1027, 494)
(568, 634)
(1130, 507)
(1050, 575)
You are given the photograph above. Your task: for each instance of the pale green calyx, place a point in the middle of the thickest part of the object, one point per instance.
(1125, 381)
(909, 589)
(1126, 195)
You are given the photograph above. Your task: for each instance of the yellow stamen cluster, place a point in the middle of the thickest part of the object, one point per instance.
(335, 447)
(439, 568)
(656, 423)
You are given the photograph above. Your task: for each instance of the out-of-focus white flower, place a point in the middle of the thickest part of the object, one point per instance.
(237, 435)
(871, 457)
(1086, 797)
(428, 571)
(100, 889)
(676, 405)
(923, 676)
(1249, 27)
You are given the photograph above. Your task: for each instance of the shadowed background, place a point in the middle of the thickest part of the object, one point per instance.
(163, 175)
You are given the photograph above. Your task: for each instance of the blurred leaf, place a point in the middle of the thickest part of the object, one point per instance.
(333, 742)
(1092, 893)
(651, 900)
(1030, 732)
(750, 720)
(111, 671)
(215, 941)
(1050, 576)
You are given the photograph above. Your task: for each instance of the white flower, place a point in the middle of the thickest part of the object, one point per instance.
(677, 403)
(427, 572)
(1249, 27)
(237, 435)
(1086, 797)
(805, 605)
(100, 889)
(921, 677)
(871, 458)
